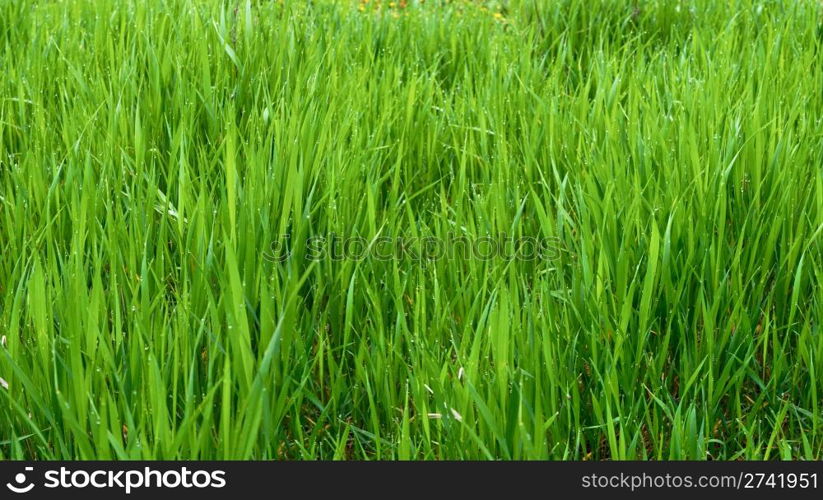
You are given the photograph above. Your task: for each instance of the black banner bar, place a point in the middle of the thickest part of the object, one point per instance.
(99, 479)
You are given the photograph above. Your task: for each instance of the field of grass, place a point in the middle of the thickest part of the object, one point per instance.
(167, 165)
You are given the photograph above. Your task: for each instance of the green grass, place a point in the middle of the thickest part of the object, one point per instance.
(152, 153)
